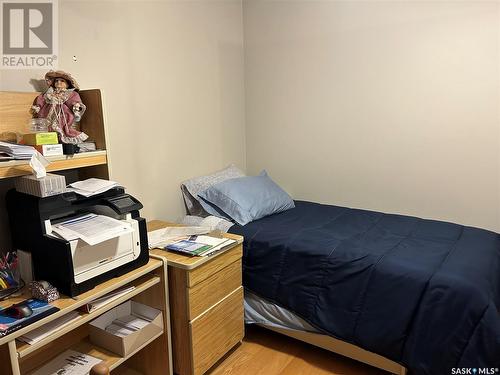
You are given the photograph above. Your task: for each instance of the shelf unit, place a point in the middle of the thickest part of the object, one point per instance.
(150, 282)
(15, 117)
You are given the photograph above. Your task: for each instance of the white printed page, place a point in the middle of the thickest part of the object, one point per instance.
(92, 228)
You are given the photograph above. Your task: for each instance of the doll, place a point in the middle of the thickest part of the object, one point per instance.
(61, 106)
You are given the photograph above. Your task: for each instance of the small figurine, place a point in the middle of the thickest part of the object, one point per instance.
(61, 106)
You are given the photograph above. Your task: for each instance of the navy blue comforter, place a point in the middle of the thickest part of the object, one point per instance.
(423, 293)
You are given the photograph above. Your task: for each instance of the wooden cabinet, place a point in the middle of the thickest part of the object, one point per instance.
(206, 304)
(152, 358)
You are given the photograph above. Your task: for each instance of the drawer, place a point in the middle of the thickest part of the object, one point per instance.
(213, 289)
(217, 331)
(219, 262)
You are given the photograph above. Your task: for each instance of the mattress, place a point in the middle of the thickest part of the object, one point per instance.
(260, 311)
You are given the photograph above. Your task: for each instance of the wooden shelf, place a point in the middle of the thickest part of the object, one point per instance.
(112, 360)
(66, 304)
(141, 285)
(15, 168)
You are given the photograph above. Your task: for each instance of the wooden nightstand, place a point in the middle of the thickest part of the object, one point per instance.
(206, 305)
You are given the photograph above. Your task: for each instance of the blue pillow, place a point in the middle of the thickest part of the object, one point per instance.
(245, 199)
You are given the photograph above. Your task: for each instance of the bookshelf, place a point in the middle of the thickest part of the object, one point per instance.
(153, 357)
(15, 117)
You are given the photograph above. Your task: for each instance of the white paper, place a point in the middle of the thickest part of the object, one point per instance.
(91, 186)
(17, 151)
(69, 362)
(47, 329)
(110, 297)
(215, 249)
(38, 164)
(165, 236)
(92, 228)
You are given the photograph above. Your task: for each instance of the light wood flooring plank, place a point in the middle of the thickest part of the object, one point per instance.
(268, 353)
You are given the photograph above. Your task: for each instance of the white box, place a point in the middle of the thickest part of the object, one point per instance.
(52, 184)
(50, 150)
(125, 345)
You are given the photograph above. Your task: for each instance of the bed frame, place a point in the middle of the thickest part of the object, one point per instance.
(342, 348)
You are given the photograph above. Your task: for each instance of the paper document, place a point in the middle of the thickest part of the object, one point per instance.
(125, 325)
(165, 236)
(92, 228)
(108, 298)
(69, 362)
(91, 186)
(17, 151)
(201, 245)
(217, 248)
(48, 328)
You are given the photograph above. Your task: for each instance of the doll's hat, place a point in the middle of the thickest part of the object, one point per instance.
(53, 74)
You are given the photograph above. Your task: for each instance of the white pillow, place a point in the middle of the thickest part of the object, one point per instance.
(190, 189)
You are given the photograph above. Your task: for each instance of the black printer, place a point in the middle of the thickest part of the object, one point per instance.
(74, 266)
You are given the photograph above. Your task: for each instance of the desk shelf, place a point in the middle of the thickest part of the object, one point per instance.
(112, 360)
(150, 281)
(141, 285)
(16, 168)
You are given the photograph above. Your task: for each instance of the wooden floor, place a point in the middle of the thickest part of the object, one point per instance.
(267, 353)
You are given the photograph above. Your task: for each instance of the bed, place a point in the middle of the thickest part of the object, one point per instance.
(421, 293)
(393, 291)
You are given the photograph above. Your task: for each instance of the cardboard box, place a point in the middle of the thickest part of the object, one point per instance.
(35, 139)
(52, 184)
(125, 345)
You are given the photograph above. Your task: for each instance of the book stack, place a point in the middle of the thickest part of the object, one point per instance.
(16, 151)
(45, 142)
(200, 245)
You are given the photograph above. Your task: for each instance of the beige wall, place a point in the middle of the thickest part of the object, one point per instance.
(172, 76)
(391, 106)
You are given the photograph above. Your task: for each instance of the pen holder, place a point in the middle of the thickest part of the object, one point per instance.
(9, 279)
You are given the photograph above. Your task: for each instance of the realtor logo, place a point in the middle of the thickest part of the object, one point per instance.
(29, 34)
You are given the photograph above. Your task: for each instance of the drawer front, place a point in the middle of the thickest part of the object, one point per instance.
(219, 262)
(217, 331)
(206, 294)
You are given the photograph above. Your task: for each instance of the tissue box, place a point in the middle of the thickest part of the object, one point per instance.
(125, 345)
(51, 184)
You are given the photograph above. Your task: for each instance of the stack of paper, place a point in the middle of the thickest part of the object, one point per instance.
(126, 325)
(91, 228)
(200, 245)
(91, 186)
(165, 236)
(17, 151)
(48, 328)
